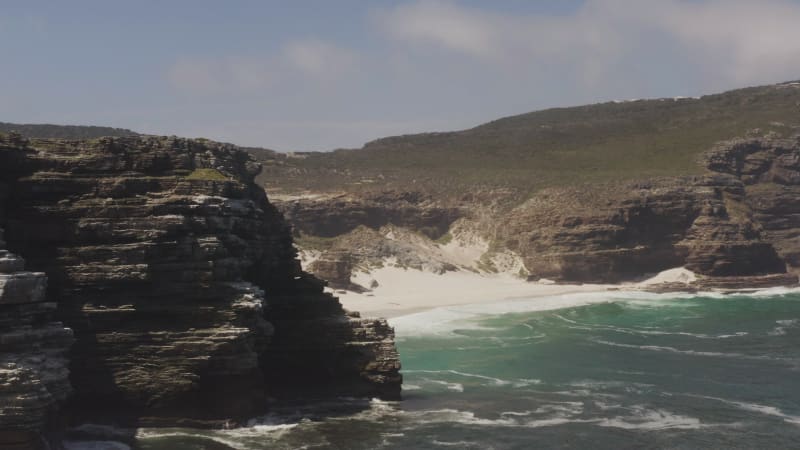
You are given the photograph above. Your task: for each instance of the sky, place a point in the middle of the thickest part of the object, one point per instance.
(306, 75)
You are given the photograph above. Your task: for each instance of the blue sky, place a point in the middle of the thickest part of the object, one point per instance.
(317, 75)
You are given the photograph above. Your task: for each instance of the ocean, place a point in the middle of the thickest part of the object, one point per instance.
(610, 370)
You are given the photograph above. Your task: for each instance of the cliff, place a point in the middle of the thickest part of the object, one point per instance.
(33, 344)
(604, 192)
(737, 219)
(180, 282)
(701, 223)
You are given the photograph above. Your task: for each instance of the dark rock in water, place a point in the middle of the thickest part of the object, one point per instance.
(181, 283)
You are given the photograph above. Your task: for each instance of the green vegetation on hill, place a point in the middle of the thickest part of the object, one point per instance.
(48, 131)
(563, 146)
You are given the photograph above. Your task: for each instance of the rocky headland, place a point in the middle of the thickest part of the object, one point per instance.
(603, 193)
(735, 225)
(164, 289)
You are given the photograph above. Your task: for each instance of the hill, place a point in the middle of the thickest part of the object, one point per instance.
(49, 131)
(555, 147)
(602, 193)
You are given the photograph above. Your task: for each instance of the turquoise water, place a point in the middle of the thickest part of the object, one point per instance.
(610, 371)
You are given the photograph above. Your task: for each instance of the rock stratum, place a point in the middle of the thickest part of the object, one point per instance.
(180, 283)
(738, 220)
(605, 192)
(736, 224)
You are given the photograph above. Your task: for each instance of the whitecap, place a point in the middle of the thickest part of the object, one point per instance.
(646, 331)
(651, 420)
(521, 382)
(754, 407)
(658, 348)
(516, 413)
(458, 387)
(569, 408)
(145, 434)
(444, 321)
(783, 325)
(452, 444)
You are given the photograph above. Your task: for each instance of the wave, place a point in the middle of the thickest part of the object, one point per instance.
(454, 444)
(652, 420)
(651, 331)
(520, 382)
(458, 387)
(658, 348)
(444, 321)
(754, 407)
(641, 418)
(784, 325)
(152, 434)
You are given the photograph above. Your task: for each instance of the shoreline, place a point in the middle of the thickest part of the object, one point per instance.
(402, 292)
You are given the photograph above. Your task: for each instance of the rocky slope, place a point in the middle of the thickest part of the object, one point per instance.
(701, 223)
(603, 192)
(181, 284)
(739, 218)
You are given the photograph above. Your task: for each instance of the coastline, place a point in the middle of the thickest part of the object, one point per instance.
(402, 292)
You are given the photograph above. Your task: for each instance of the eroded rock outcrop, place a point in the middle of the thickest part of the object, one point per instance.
(740, 220)
(181, 284)
(769, 167)
(334, 216)
(701, 223)
(34, 377)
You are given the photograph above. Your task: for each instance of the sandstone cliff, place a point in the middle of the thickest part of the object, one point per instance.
(181, 284)
(738, 219)
(33, 345)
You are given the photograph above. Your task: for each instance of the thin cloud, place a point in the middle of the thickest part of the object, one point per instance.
(317, 58)
(734, 39)
(220, 76)
(309, 58)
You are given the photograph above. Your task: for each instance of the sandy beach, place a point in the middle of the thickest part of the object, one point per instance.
(406, 291)
(402, 292)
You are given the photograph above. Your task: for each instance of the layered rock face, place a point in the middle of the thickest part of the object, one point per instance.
(334, 267)
(181, 284)
(334, 216)
(34, 377)
(770, 170)
(739, 220)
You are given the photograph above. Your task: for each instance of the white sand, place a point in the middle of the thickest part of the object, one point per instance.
(407, 291)
(677, 275)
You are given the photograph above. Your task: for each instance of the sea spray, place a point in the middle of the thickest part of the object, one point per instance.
(605, 370)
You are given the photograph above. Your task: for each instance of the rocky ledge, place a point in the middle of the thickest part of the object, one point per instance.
(739, 220)
(181, 283)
